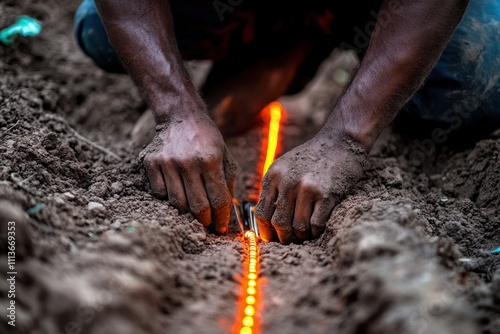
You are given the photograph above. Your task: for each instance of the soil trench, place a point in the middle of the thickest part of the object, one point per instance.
(408, 251)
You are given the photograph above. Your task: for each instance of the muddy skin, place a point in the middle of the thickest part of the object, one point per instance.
(299, 193)
(183, 165)
(408, 250)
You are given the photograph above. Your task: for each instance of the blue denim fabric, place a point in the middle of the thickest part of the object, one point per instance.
(461, 92)
(93, 39)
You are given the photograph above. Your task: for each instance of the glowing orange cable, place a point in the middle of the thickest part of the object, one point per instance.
(275, 113)
(248, 322)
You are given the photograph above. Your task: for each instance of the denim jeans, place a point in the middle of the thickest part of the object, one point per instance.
(462, 92)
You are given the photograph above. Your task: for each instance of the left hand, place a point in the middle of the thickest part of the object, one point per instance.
(302, 187)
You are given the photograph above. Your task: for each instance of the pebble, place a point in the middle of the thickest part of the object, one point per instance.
(69, 196)
(117, 187)
(96, 208)
(58, 200)
(117, 242)
(115, 225)
(10, 143)
(99, 189)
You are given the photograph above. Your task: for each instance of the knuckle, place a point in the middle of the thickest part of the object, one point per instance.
(176, 203)
(274, 172)
(326, 198)
(259, 211)
(221, 202)
(200, 207)
(157, 160)
(209, 159)
(282, 203)
(280, 222)
(149, 162)
(299, 226)
(182, 162)
(164, 159)
(310, 187)
(158, 193)
(318, 224)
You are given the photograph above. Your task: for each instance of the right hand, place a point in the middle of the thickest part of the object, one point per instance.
(188, 163)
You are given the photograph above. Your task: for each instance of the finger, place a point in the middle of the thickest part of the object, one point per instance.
(321, 214)
(283, 216)
(156, 181)
(302, 215)
(265, 209)
(230, 167)
(197, 197)
(219, 198)
(175, 188)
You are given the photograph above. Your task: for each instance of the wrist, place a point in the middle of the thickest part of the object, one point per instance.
(359, 117)
(362, 134)
(171, 107)
(338, 128)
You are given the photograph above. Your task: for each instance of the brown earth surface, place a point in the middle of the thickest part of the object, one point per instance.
(408, 251)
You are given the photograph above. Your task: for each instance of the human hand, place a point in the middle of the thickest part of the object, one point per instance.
(188, 163)
(302, 187)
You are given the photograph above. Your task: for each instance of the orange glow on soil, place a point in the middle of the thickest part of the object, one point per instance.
(248, 319)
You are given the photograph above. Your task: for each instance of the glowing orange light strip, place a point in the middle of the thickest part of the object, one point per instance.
(275, 114)
(248, 322)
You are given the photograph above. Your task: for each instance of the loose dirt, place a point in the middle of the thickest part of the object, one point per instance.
(407, 251)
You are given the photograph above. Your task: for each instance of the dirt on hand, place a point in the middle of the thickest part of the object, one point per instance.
(408, 250)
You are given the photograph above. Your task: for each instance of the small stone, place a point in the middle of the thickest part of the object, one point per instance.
(117, 241)
(10, 143)
(69, 196)
(58, 200)
(99, 189)
(117, 187)
(96, 208)
(392, 177)
(115, 225)
(341, 76)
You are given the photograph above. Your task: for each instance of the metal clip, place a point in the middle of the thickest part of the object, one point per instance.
(245, 214)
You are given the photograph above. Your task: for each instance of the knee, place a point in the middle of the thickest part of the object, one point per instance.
(92, 38)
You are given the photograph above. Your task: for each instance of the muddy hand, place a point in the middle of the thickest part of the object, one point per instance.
(189, 164)
(302, 187)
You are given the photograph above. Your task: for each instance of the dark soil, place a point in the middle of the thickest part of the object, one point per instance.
(408, 251)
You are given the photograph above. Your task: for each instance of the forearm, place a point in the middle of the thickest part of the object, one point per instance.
(402, 51)
(142, 34)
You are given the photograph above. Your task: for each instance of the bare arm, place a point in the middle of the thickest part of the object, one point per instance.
(187, 162)
(303, 186)
(403, 49)
(142, 34)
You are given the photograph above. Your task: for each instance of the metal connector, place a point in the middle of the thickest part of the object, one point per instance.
(245, 214)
